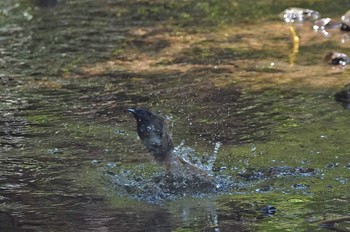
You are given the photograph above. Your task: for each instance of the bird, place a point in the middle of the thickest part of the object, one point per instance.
(154, 133)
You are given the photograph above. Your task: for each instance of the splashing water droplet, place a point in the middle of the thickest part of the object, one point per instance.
(254, 147)
(159, 185)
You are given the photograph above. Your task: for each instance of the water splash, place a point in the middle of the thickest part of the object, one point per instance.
(154, 184)
(203, 162)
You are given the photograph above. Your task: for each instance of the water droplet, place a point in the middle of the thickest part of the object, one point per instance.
(253, 147)
(27, 16)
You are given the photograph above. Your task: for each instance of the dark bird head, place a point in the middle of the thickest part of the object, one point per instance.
(154, 133)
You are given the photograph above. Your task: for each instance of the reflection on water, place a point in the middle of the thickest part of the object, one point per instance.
(71, 160)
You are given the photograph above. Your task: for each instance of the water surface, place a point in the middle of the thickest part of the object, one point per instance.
(219, 71)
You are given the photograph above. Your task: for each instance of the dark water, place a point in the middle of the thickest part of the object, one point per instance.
(220, 71)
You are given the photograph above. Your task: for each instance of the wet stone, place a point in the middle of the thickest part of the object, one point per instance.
(299, 15)
(336, 58)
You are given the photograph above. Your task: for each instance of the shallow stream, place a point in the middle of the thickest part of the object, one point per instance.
(221, 72)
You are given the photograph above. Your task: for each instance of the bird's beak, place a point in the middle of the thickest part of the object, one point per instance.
(131, 111)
